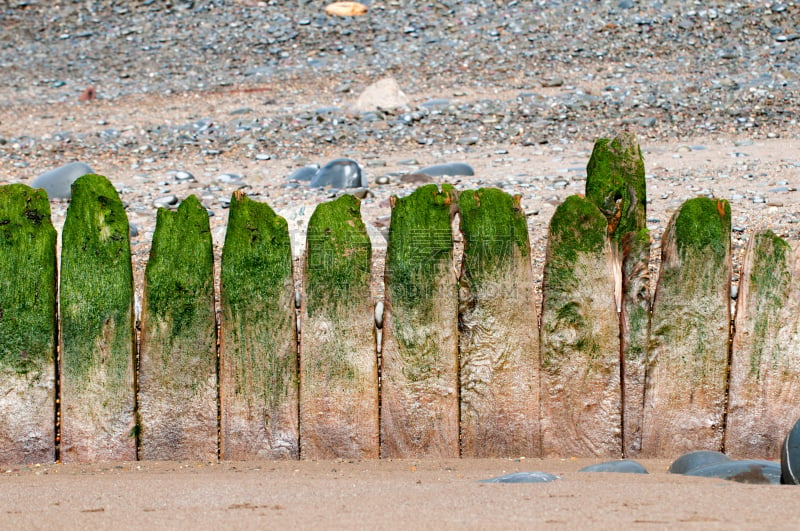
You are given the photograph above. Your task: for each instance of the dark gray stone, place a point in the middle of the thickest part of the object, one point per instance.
(754, 471)
(523, 477)
(450, 168)
(790, 456)
(58, 182)
(339, 173)
(695, 460)
(624, 466)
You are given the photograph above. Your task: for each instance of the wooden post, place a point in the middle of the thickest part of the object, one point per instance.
(765, 366)
(338, 362)
(97, 335)
(258, 346)
(615, 183)
(27, 326)
(419, 401)
(178, 362)
(499, 341)
(687, 363)
(580, 349)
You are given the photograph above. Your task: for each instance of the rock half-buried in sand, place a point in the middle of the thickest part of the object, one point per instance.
(698, 459)
(58, 182)
(450, 168)
(580, 377)
(624, 466)
(306, 173)
(754, 471)
(790, 456)
(383, 94)
(523, 477)
(339, 173)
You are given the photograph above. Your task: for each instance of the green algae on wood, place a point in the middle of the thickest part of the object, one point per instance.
(258, 346)
(765, 364)
(634, 335)
(499, 350)
(687, 362)
(580, 367)
(419, 400)
(178, 362)
(338, 362)
(27, 326)
(97, 330)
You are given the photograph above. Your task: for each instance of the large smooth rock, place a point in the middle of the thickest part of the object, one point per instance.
(383, 94)
(623, 466)
(449, 168)
(790, 456)
(765, 365)
(699, 459)
(58, 182)
(753, 471)
(523, 477)
(339, 173)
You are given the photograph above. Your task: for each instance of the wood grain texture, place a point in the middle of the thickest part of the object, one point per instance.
(687, 366)
(419, 400)
(258, 345)
(499, 336)
(580, 349)
(338, 363)
(27, 326)
(178, 359)
(98, 348)
(765, 365)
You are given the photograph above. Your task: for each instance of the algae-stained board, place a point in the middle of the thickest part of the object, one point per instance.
(258, 346)
(499, 339)
(615, 183)
(178, 360)
(765, 365)
(338, 361)
(419, 398)
(687, 365)
(580, 350)
(97, 335)
(27, 326)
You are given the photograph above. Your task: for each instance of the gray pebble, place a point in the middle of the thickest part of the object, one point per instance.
(181, 176)
(379, 314)
(383, 179)
(339, 173)
(306, 173)
(698, 459)
(166, 201)
(523, 477)
(58, 182)
(753, 471)
(450, 168)
(624, 466)
(228, 178)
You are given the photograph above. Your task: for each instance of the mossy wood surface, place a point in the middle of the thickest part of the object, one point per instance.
(580, 348)
(97, 335)
(419, 401)
(615, 183)
(687, 363)
(178, 364)
(634, 334)
(499, 340)
(765, 366)
(27, 326)
(258, 348)
(338, 362)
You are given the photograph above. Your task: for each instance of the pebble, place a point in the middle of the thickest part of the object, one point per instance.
(339, 173)
(383, 179)
(306, 173)
(450, 168)
(166, 201)
(181, 176)
(523, 477)
(624, 466)
(228, 178)
(698, 459)
(753, 471)
(58, 182)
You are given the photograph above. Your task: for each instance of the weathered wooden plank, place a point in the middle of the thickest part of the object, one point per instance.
(765, 365)
(499, 341)
(419, 398)
(258, 346)
(338, 362)
(580, 373)
(615, 183)
(178, 361)
(97, 335)
(27, 326)
(687, 362)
